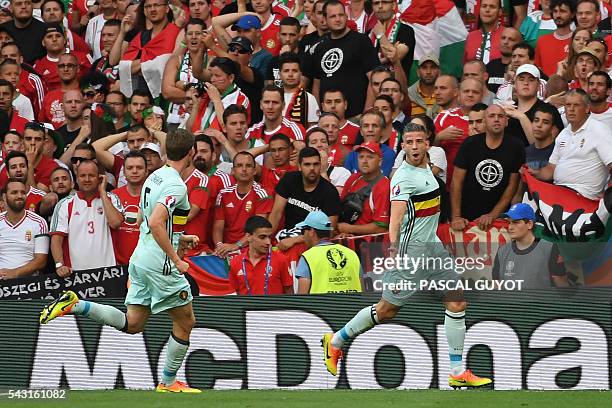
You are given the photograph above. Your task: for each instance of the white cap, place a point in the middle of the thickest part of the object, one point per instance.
(529, 69)
(151, 146)
(158, 111)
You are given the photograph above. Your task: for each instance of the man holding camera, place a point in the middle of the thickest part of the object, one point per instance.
(365, 197)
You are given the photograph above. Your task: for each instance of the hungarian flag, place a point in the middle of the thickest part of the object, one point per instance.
(153, 58)
(438, 30)
(564, 216)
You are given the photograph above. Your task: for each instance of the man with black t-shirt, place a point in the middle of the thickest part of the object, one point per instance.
(486, 173)
(26, 31)
(288, 35)
(497, 68)
(72, 105)
(538, 153)
(344, 61)
(301, 192)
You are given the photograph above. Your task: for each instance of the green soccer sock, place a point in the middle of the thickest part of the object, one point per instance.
(104, 314)
(177, 349)
(363, 321)
(454, 327)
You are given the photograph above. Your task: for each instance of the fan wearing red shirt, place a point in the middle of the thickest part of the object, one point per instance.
(17, 168)
(52, 111)
(374, 218)
(270, 25)
(272, 104)
(334, 101)
(280, 149)
(34, 141)
(7, 92)
(553, 48)
(452, 125)
(328, 121)
(483, 44)
(259, 270)
(125, 237)
(202, 190)
(236, 204)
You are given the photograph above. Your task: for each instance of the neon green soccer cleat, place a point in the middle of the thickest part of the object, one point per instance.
(467, 379)
(331, 354)
(59, 307)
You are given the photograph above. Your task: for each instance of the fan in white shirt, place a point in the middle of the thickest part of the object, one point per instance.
(24, 238)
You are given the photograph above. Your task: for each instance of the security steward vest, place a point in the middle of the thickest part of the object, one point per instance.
(333, 268)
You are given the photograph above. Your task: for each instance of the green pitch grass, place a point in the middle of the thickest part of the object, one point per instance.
(334, 398)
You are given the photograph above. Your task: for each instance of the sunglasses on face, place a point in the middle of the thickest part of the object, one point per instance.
(77, 160)
(239, 50)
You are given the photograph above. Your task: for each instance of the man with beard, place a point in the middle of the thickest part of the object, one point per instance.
(496, 68)
(125, 237)
(204, 182)
(238, 203)
(25, 238)
(421, 93)
(553, 48)
(62, 186)
(18, 169)
(26, 31)
(52, 112)
(599, 86)
(299, 193)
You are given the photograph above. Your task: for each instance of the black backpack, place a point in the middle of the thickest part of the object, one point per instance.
(352, 205)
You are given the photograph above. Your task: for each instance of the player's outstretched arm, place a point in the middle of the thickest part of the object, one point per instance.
(157, 225)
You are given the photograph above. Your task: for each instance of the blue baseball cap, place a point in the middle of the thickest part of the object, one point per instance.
(520, 211)
(247, 22)
(317, 220)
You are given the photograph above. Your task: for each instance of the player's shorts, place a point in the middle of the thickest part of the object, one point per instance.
(401, 284)
(157, 291)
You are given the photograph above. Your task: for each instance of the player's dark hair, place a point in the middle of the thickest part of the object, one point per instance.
(60, 4)
(12, 180)
(204, 139)
(234, 109)
(113, 22)
(331, 3)
(280, 136)
(308, 152)
(288, 58)
(602, 74)
(179, 143)
(413, 128)
(243, 153)
(135, 154)
(571, 4)
(526, 46)
(138, 128)
(274, 88)
(144, 93)
(88, 147)
(256, 222)
(313, 130)
(290, 21)
(479, 107)
(387, 99)
(12, 154)
(196, 21)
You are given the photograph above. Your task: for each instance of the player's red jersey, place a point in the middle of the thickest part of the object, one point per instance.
(197, 188)
(347, 134)
(549, 51)
(125, 238)
(235, 210)
(252, 281)
(292, 129)
(452, 117)
(271, 177)
(33, 199)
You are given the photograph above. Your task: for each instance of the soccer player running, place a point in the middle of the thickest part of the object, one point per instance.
(156, 268)
(415, 209)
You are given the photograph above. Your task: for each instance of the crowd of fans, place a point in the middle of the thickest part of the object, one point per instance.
(296, 107)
